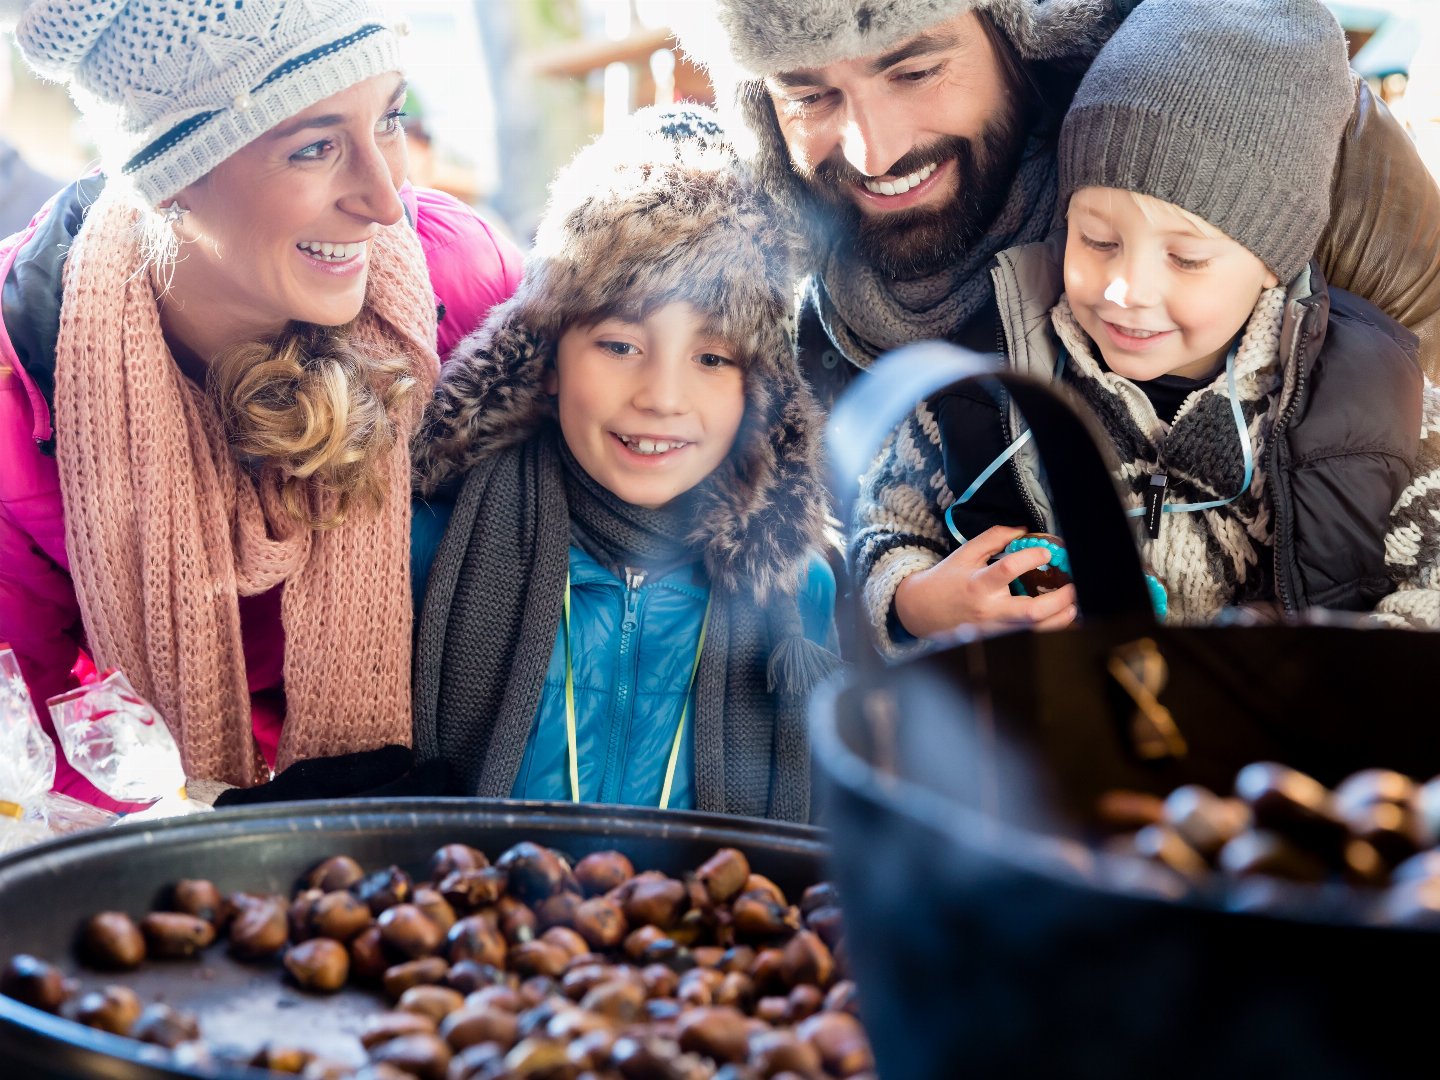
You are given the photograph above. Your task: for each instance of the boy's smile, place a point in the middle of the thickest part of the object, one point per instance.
(648, 408)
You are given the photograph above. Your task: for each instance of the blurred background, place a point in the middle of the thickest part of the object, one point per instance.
(504, 91)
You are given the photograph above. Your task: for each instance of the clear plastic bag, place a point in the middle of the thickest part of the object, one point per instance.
(27, 759)
(120, 743)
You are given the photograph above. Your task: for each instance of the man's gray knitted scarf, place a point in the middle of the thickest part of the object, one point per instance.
(493, 609)
(866, 313)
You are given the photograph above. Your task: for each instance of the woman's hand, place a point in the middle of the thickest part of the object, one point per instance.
(966, 588)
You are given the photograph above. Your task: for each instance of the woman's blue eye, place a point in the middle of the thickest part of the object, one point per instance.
(714, 360)
(619, 348)
(314, 151)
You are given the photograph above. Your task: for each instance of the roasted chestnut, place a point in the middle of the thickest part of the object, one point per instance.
(114, 1009)
(534, 872)
(199, 898)
(33, 982)
(336, 872)
(408, 932)
(320, 964)
(602, 871)
(170, 934)
(112, 941)
(260, 925)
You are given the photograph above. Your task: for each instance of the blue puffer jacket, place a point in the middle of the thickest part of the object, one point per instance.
(633, 647)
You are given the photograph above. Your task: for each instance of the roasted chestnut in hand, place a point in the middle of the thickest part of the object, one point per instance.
(320, 964)
(111, 940)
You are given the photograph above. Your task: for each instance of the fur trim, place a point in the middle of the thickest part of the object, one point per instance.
(749, 39)
(654, 214)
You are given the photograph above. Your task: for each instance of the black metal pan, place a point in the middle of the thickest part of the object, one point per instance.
(47, 891)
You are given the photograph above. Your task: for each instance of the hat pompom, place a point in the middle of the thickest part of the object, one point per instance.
(56, 35)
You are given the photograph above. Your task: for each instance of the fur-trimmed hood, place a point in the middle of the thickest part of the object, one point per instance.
(658, 213)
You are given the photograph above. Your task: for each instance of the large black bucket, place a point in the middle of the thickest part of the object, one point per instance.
(989, 934)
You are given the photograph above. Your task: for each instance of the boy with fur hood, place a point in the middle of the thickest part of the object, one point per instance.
(1276, 440)
(626, 605)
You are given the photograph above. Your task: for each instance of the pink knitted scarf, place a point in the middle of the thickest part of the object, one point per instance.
(165, 529)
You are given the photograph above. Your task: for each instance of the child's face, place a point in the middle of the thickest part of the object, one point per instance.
(649, 409)
(1159, 291)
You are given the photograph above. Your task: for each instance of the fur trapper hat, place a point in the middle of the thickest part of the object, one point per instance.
(749, 39)
(656, 212)
(740, 42)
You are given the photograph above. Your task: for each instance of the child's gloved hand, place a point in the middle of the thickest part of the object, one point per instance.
(967, 588)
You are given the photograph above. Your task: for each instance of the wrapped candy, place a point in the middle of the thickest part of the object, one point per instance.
(116, 740)
(27, 759)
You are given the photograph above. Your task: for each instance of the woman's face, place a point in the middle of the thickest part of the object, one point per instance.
(281, 229)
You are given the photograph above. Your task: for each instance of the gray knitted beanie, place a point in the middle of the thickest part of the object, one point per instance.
(171, 88)
(1237, 118)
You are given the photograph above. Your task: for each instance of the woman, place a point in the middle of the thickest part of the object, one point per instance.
(206, 404)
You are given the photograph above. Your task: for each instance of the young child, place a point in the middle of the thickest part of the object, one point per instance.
(1281, 431)
(627, 605)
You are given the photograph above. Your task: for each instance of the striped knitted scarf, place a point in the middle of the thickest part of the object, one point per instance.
(165, 530)
(1209, 559)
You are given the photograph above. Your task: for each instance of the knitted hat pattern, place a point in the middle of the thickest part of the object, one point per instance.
(1236, 118)
(171, 88)
(658, 211)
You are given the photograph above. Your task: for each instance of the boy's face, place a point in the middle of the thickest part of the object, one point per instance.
(649, 409)
(1159, 291)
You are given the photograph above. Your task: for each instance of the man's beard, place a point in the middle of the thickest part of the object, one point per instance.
(921, 241)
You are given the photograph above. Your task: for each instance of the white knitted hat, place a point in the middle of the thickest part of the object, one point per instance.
(171, 88)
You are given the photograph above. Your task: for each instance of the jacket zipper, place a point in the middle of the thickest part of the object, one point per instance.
(626, 663)
(1006, 435)
(1282, 581)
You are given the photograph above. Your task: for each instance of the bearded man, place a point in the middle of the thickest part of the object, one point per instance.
(917, 139)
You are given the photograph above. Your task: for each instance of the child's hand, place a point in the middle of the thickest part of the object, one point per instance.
(967, 588)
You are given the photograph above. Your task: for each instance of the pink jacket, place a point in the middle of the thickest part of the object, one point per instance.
(472, 268)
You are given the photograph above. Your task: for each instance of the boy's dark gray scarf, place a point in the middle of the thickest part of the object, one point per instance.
(866, 313)
(493, 608)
